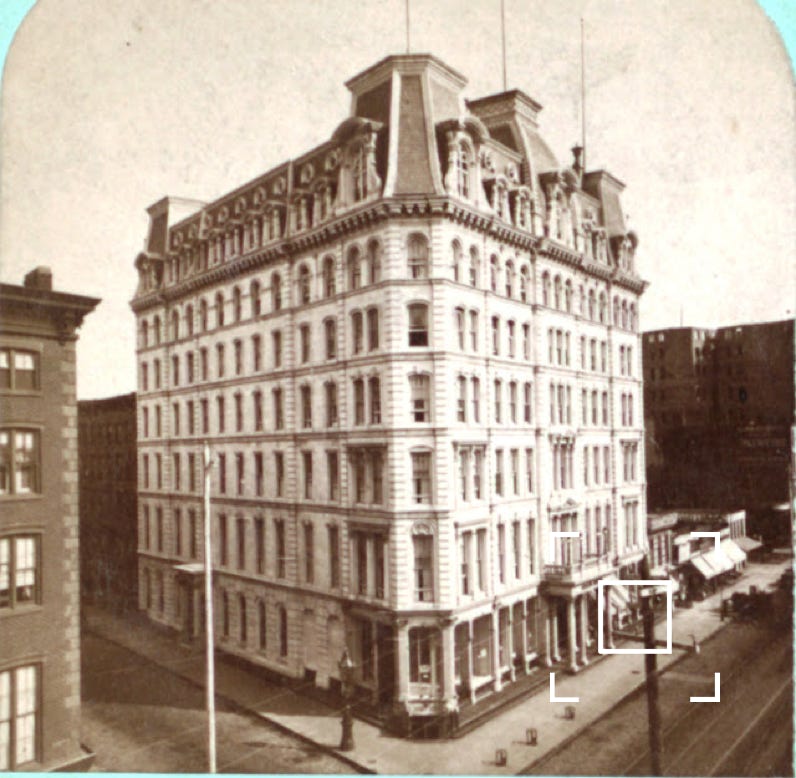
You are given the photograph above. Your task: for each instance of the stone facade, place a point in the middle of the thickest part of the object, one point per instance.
(414, 352)
(39, 584)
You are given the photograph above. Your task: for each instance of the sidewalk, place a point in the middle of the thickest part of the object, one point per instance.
(599, 688)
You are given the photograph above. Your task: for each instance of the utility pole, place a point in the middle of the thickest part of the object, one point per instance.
(210, 686)
(651, 671)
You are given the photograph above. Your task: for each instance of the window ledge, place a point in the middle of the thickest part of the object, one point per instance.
(20, 497)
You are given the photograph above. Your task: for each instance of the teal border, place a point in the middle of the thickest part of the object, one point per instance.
(781, 12)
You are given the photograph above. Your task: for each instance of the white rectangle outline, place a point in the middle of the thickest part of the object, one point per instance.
(601, 584)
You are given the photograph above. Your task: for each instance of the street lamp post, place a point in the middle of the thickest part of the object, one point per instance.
(346, 667)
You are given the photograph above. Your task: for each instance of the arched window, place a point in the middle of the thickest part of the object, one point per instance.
(509, 279)
(418, 256)
(203, 323)
(418, 324)
(236, 304)
(475, 266)
(242, 620)
(493, 273)
(545, 288)
(254, 296)
(330, 338)
(456, 260)
(616, 312)
(329, 281)
(582, 300)
(219, 310)
(557, 292)
(374, 262)
(156, 330)
(592, 303)
(354, 268)
(175, 325)
(262, 630)
(304, 284)
(144, 333)
(524, 276)
(568, 296)
(189, 320)
(603, 308)
(631, 323)
(276, 292)
(624, 314)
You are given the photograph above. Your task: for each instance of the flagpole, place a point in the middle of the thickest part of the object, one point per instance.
(503, 38)
(408, 48)
(583, 93)
(211, 680)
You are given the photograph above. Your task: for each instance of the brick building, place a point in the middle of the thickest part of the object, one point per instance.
(719, 415)
(108, 500)
(39, 585)
(414, 352)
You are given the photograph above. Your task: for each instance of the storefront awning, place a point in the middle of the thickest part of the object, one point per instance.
(703, 568)
(747, 544)
(718, 560)
(736, 555)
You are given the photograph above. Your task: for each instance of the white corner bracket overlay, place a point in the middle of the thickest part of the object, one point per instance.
(553, 697)
(716, 691)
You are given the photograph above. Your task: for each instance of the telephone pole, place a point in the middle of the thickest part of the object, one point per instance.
(651, 672)
(210, 686)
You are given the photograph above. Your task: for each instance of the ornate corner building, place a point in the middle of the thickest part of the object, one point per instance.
(39, 565)
(414, 352)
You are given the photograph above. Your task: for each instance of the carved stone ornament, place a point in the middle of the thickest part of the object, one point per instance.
(193, 232)
(259, 195)
(279, 186)
(177, 239)
(223, 215)
(512, 173)
(240, 206)
(332, 160)
(487, 161)
(307, 173)
(422, 528)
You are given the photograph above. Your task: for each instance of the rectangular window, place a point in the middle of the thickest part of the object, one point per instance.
(175, 370)
(306, 461)
(527, 403)
(159, 527)
(495, 335)
(499, 472)
(192, 472)
(257, 353)
(526, 341)
(333, 470)
(480, 558)
(19, 571)
(510, 327)
(176, 474)
(418, 324)
(20, 462)
(240, 528)
(221, 413)
(377, 477)
(189, 372)
(304, 343)
(309, 553)
(222, 473)
(531, 546)
(421, 477)
(478, 464)
(515, 471)
(359, 401)
(379, 568)
(360, 542)
(474, 330)
(276, 345)
(465, 546)
(513, 402)
(501, 544)
(420, 391)
(190, 417)
(238, 346)
(279, 473)
(279, 420)
(458, 317)
(205, 417)
(529, 470)
(220, 359)
(239, 413)
(330, 390)
(159, 470)
(334, 556)
(374, 389)
(258, 473)
(240, 474)
(192, 544)
(517, 548)
(257, 402)
(223, 550)
(424, 567)
(373, 329)
(306, 407)
(281, 562)
(259, 545)
(20, 718)
(475, 399)
(203, 363)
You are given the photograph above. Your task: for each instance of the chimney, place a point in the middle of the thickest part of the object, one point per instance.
(40, 277)
(577, 154)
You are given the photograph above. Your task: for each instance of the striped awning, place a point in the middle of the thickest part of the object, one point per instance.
(735, 554)
(747, 544)
(718, 560)
(703, 567)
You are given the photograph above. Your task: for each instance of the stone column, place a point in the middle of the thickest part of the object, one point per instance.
(448, 664)
(584, 629)
(547, 641)
(572, 627)
(470, 683)
(510, 641)
(524, 635)
(608, 636)
(495, 635)
(402, 661)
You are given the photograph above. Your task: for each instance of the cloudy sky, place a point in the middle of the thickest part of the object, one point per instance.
(108, 105)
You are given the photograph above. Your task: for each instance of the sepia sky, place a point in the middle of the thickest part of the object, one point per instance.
(108, 105)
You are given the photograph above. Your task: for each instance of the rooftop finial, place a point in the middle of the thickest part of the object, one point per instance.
(582, 93)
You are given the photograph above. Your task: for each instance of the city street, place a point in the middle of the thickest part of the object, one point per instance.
(749, 732)
(140, 717)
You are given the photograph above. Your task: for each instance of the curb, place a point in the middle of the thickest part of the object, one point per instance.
(232, 703)
(559, 747)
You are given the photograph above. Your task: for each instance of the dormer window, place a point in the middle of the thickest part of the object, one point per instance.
(463, 170)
